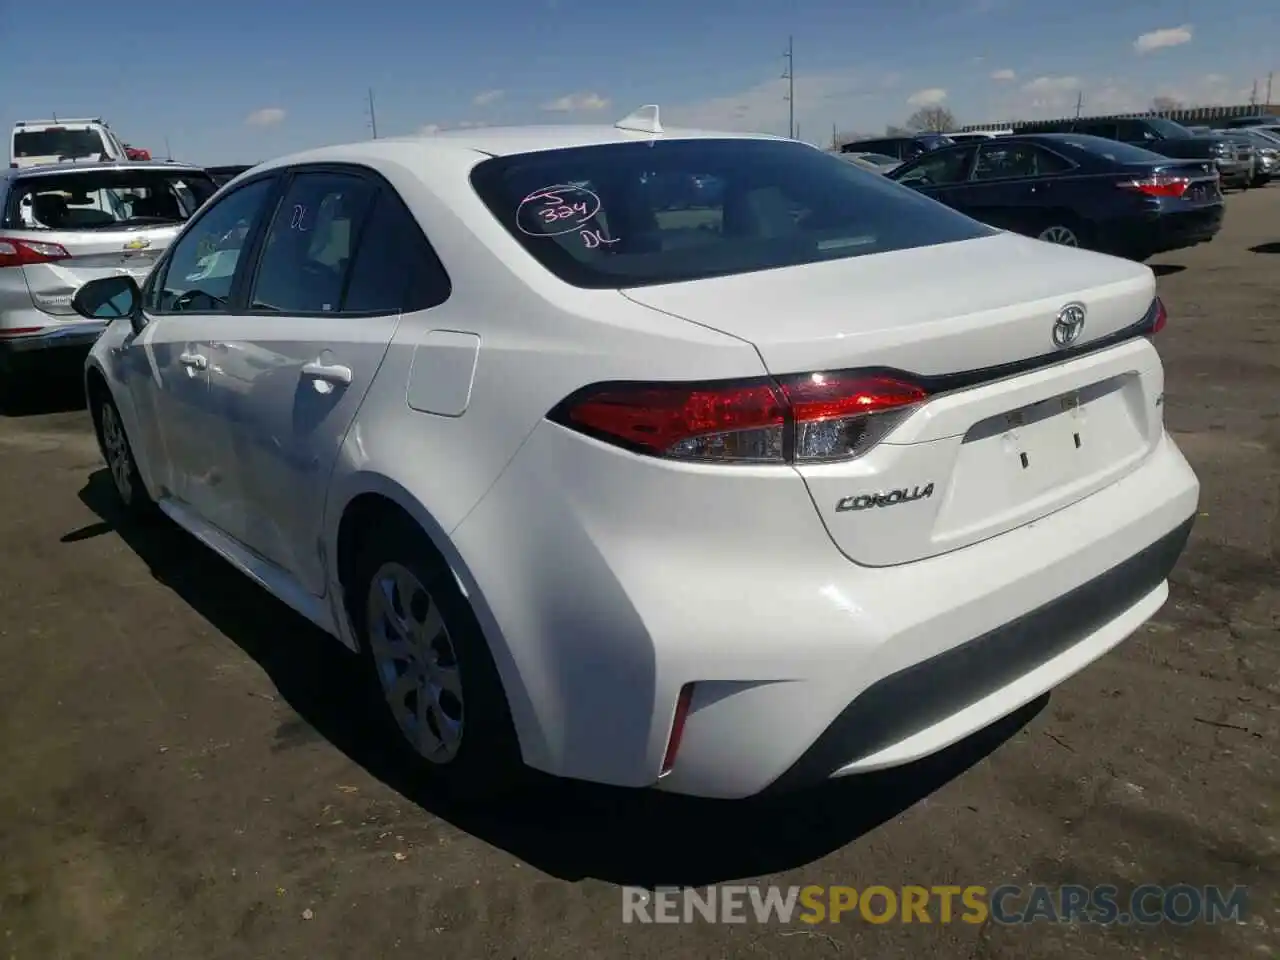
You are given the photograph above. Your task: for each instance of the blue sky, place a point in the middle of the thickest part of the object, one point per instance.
(233, 81)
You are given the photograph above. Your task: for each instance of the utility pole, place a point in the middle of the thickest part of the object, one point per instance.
(1079, 102)
(373, 115)
(789, 75)
(167, 152)
(1253, 97)
(1269, 76)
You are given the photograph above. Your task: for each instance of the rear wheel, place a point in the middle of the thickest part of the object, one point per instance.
(438, 687)
(116, 450)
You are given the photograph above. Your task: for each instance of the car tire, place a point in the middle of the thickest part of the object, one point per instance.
(434, 684)
(116, 450)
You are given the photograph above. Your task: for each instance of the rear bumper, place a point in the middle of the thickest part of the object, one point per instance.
(1165, 231)
(606, 600)
(63, 335)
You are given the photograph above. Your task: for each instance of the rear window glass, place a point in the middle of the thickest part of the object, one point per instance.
(1111, 149)
(105, 199)
(64, 143)
(634, 214)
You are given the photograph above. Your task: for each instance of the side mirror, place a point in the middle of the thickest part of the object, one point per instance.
(109, 298)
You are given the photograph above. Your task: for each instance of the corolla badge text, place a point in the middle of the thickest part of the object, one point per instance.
(885, 498)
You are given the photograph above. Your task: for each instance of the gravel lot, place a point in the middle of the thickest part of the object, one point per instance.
(181, 774)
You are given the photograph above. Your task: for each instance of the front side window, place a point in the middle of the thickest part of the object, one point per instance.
(309, 244)
(105, 199)
(604, 216)
(202, 265)
(937, 169)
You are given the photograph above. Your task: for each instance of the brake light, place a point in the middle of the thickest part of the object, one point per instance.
(18, 253)
(21, 253)
(808, 418)
(1160, 185)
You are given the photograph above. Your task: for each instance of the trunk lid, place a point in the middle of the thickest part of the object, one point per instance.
(974, 461)
(94, 253)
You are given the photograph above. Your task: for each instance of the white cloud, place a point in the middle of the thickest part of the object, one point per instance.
(1050, 86)
(1167, 37)
(430, 129)
(821, 100)
(929, 97)
(486, 97)
(575, 102)
(266, 117)
(1003, 75)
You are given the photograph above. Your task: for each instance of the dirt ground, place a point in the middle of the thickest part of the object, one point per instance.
(182, 774)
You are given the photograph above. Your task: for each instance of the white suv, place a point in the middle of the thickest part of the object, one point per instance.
(35, 143)
(811, 477)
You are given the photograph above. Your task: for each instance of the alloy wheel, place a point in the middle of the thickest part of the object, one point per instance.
(116, 448)
(1060, 235)
(416, 663)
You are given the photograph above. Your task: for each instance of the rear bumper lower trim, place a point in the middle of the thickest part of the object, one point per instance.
(925, 693)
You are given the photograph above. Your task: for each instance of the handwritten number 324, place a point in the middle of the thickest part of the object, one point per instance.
(563, 212)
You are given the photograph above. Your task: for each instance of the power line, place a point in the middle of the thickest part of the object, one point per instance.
(789, 75)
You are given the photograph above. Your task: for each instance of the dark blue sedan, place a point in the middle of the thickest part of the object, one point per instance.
(1076, 190)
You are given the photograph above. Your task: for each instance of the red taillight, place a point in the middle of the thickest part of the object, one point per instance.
(809, 418)
(1161, 316)
(1158, 186)
(21, 253)
(683, 702)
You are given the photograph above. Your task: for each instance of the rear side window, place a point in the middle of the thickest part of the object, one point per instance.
(57, 142)
(634, 214)
(394, 268)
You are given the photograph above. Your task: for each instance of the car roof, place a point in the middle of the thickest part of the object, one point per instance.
(496, 142)
(51, 169)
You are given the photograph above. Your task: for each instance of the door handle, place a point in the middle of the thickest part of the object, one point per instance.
(328, 372)
(194, 360)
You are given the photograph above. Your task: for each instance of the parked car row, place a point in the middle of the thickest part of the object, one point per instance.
(1076, 190)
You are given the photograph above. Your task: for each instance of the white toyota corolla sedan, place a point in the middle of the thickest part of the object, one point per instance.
(652, 457)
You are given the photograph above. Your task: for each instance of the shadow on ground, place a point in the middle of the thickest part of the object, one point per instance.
(48, 385)
(1272, 247)
(1166, 269)
(569, 830)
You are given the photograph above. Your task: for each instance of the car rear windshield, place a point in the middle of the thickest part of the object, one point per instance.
(663, 211)
(104, 199)
(57, 142)
(1111, 149)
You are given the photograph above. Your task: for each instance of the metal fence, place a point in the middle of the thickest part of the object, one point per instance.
(1194, 116)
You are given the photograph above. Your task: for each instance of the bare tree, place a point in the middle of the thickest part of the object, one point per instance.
(892, 131)
(1165, 104)
(932, 120)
